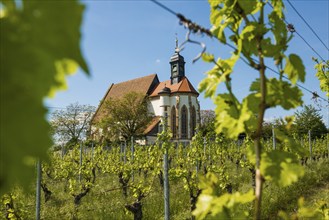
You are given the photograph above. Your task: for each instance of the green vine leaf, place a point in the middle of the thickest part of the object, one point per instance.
(280, 93)
(295, 68)
(231, 116)
(208, 57)
(39, 50)
(290, 142)
(278, 7)
(279, 30)
(249, 7)
(322, 72)
(226, 206)
(281, 167)
(215, 3)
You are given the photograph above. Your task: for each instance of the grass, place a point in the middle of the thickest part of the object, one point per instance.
(317, 195)
(105, 201)
(315, 181)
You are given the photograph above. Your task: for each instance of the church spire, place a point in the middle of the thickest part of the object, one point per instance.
(177, 65)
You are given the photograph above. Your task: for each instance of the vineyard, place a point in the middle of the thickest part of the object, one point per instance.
(276, 171)
(126, 181)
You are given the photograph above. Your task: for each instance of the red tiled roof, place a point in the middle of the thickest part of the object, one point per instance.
(184, 86)
(152, 124)
(141, 85)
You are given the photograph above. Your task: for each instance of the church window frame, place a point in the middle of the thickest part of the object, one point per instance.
(173, 122)
(184, 122)
(193, 120)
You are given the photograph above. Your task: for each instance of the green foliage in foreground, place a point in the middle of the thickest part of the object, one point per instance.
(322, 72)
(40, 46)
(95, 190)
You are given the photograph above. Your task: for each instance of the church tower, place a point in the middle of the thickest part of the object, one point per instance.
(177, 65)
(174, 99)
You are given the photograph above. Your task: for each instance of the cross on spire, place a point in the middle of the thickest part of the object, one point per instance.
(176, 48)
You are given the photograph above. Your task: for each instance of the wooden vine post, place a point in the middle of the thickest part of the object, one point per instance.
(166, 175)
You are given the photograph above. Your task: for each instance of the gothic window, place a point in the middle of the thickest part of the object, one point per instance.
(173, 121)
(184, 122)
(193, 120)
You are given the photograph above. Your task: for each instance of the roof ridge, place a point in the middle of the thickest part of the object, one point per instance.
(101, 102)
(153, 74)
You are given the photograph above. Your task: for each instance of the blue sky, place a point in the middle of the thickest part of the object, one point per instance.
(122, 40)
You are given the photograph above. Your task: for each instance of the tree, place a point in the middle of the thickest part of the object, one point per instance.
(278, 123)
(267, 129)
(125, 117)
(307, 119)
(38, 50)
(72, 124)
(208, 119)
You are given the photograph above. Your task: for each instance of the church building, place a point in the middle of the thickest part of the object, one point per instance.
(176, 99)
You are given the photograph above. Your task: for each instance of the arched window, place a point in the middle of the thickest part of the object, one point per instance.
(184, 122)
(173, 121)
(193, 120)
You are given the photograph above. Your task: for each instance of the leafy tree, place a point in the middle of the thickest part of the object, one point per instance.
(309, 118)
(208, 119)
(38, 49)
(72, 124)
(278, 123)
(125, 117)
(267, 129)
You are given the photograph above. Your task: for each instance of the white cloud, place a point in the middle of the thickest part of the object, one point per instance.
(157, 60)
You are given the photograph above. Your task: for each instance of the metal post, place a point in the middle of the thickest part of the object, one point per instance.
(274, 141)
(124, 152)
(166, 185)
(132, 155)
(166, 177)
(38, 191)
(209, 152)
(132, 149)
(92, 150)
(80, 162)
(121, 151)
(177, 148)
(62, 150)
(204, 147)
(310, 144)
(328, 144)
